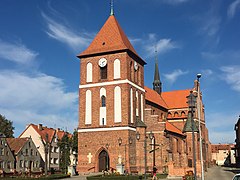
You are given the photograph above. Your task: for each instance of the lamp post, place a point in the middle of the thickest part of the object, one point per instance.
(145, 154)
(125, 148)
(151, 136)
(191, 103)
(199, 125)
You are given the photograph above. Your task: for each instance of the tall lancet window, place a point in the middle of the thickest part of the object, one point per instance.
(137, 104)
(131, 105)
(88, 107)
(103, 99)
(102, 109)
(117, 70)
(89, 72)
(117, 105)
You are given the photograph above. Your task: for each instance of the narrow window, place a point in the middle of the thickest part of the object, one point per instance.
(103, 99)
(88, 110)
(117, 104)
(103, 72)
(89, 72)
(117, 70)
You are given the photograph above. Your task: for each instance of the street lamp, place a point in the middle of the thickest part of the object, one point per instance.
(145, 153)
(199, 124)
(151, 136)
(191, 103)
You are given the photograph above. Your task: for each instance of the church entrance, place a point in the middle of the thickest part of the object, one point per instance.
(103, 160)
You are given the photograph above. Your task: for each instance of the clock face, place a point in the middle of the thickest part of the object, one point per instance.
(135, 65)
(102, 62)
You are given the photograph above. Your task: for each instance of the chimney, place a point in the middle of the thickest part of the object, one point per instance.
(40, 127)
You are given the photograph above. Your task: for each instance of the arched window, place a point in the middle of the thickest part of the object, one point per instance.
(169, 115)
(131, 104)
(117, 69)
(176, 114)
(88, 107)
(103, 100)
(183, 114)
(117, 104)
(89, 72)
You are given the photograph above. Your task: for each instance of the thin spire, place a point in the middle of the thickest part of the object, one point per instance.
(157, 85)
(112, 8)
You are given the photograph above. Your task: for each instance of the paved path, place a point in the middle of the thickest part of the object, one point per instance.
(213, 173)
(219, 173)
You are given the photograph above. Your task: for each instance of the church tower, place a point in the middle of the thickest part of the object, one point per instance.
(157, 84)
(111, 100)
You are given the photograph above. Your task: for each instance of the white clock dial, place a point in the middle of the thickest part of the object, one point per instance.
(102, 62)
(135, 65)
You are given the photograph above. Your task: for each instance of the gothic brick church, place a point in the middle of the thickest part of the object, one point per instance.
(120, 119)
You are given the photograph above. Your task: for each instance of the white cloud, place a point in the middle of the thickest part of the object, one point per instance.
(162, 45)
(65, 34)
(16, 53)
(226, 55)
(232, 76)
(35, 99)
(207, 72)
(221, 127)
(233, 8)
(172, 77)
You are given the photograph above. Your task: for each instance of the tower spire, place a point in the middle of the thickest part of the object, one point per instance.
(157, 85)
(112, 8)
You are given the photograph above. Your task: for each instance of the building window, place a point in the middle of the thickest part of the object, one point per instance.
(36, 153)
(55, 160)
(117, 70)
(117, 105)
(36, 163)
(21, 164)
(1, 164)
(26, 152)
(103, 100)
(89, 72)
(51, 161)
(9, 165)
(103, 72)
(88, 110)
(55, 149)
(31, 152)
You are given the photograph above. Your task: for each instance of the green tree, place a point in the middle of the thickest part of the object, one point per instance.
(74, 141)
(6, 127)
(64, 145)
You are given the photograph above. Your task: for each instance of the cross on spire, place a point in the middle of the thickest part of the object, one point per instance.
(112, 8)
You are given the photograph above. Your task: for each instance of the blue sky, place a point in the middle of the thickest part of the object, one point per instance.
(39, 41)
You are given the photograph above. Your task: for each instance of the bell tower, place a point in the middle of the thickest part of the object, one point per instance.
(111, 98)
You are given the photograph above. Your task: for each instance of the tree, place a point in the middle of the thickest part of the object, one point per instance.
(64, 145)
(74, 141)
(6, 127)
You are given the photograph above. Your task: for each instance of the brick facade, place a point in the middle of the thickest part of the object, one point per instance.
(143, 111)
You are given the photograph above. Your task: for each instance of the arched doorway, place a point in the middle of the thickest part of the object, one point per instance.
(103, 160)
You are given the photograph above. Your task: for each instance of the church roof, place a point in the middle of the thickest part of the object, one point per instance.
(154, 97)
(170, 127)
(176, 99)
(110, 38)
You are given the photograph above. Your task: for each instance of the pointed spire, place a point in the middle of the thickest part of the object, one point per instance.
(157, 85)
(112, 8)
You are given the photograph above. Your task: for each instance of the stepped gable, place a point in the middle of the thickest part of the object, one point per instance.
(110, 38)
(154, 97)
(176, 99)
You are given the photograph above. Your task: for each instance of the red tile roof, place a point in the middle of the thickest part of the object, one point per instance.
(110, 38)
(16, 144)
(154, 97)
(172, 128)
(176, 99)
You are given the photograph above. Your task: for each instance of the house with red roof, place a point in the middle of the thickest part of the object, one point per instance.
(46, 140)
(27, 157)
